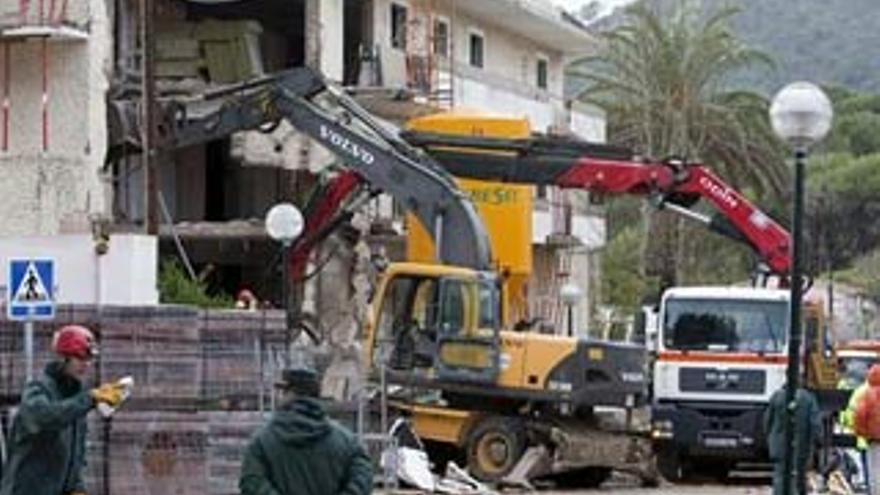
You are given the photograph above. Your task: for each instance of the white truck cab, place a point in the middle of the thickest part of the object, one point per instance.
(720, 354)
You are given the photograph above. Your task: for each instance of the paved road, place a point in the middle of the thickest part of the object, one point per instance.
(735, 487)
(738, 484)
(695, 489)
(675, 490)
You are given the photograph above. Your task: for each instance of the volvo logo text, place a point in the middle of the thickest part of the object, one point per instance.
(722, 193)
(339, 141)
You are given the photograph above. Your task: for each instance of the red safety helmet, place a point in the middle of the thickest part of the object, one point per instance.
(245, 295)
(74, 341)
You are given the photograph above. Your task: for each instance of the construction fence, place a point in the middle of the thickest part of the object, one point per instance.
(203, 384)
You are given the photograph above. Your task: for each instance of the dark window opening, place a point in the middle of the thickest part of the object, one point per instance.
(542, 74)
(541, 191)
(441, 38)
(398, 26)
(216, 180)
(353, 41)
(476, 50)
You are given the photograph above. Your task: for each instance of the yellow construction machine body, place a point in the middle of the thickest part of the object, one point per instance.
(506, 209)
(821, 367)
(448, 329)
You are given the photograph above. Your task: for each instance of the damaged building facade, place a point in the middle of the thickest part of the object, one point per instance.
(63, 61)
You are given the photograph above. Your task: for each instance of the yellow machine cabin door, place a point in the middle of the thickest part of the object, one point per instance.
(468, 324)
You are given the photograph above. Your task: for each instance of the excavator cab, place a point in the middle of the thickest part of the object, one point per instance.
(435, 323)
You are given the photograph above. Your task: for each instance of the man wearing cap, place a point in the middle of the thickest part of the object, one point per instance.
(807, 431)
(301, 451)
(47, 443)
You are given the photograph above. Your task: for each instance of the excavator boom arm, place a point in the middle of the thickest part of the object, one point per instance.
(323, 112)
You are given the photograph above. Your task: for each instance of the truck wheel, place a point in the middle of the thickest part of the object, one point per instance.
(670, 466)
(494, 447)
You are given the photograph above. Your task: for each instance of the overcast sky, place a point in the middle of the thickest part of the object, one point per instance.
(574, 5)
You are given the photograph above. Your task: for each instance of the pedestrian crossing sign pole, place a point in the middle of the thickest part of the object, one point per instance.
(30, 295)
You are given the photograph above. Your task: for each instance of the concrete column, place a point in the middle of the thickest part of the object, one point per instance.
(313, 33)
(324, 31)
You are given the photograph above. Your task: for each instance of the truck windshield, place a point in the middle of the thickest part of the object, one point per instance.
(725, 325)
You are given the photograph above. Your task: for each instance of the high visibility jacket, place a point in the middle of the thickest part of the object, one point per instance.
(847, 416)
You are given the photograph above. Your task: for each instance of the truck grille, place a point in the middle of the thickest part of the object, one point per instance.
(725, 382)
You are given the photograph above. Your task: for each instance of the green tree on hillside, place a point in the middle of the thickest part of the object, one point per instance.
(662, 82)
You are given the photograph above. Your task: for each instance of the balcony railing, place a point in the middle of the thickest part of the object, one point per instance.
(56, 20)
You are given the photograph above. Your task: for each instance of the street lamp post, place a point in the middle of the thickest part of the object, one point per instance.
(570, 295)
(801, 116)
(284, 223)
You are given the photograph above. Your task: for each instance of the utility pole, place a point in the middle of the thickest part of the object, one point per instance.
(148, 138)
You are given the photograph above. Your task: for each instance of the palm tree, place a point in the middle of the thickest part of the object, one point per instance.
(664, 84)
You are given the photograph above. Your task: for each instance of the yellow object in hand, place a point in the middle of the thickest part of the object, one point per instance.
(109, 393)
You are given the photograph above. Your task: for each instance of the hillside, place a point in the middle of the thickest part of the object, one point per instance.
(833, 42)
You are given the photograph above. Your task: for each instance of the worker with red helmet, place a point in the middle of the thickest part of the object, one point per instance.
(47, 442)
(866, 421)
(245, 299)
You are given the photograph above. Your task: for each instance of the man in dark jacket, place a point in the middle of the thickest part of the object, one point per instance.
(301, 451)
(47, 443)
(806, 434)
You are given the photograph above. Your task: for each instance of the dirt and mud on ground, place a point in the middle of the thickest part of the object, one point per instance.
(622, 485)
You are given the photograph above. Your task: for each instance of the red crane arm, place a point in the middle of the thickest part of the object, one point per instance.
(606, 169)
(740, 217)
(320, 219)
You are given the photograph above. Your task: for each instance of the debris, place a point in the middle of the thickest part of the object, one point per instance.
(837, 484)
(226, 51)
(534, 459)
(231, 48)
(458, 482)
(414, 468)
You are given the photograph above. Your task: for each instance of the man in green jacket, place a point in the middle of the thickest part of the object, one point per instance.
(807, 432)
(47, 442)
(301, 451)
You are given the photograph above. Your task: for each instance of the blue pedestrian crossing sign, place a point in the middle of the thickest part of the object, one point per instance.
(30, 291)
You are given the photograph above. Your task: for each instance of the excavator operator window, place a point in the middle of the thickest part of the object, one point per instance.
(454, 305)
(392, 316)
(405, 337)
(466, 350)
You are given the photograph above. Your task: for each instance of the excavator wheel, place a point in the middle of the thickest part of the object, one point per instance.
(494, 446)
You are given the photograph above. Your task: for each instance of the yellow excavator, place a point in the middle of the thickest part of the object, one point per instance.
(549, 386)
(438, 325)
